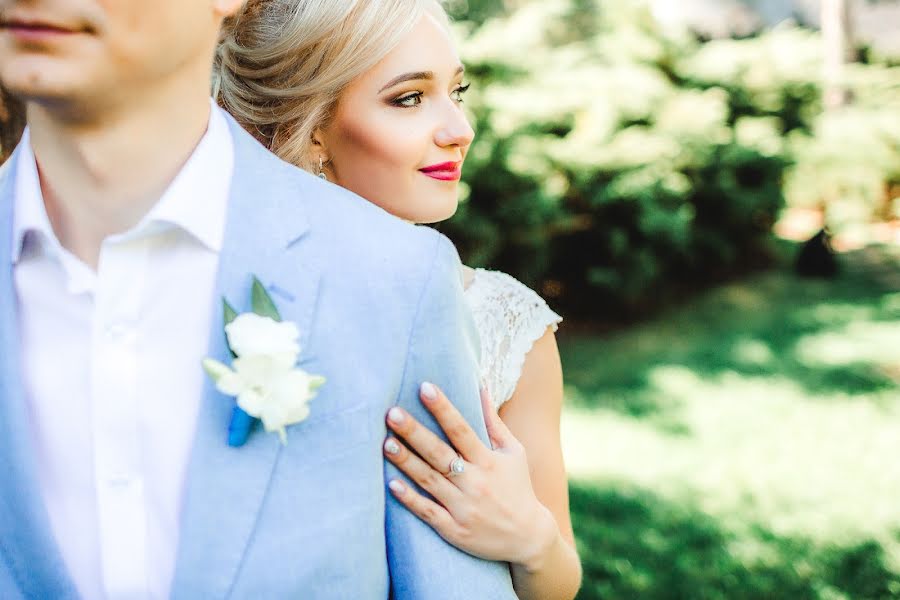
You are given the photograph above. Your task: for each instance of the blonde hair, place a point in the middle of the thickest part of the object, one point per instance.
(281, 65)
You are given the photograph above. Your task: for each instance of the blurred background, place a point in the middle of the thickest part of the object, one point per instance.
(709, 192)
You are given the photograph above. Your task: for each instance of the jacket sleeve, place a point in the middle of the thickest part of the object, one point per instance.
(443, 349)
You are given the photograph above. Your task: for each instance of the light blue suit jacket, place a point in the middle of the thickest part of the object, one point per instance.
(379, 306)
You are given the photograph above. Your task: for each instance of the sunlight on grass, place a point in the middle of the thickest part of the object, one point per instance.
(768, 411)
(861, 342)
(755, 452)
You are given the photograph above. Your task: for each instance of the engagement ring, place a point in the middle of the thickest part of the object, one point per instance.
(457, 466)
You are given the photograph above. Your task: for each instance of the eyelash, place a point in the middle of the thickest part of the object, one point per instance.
(460, 91)
(417, 96)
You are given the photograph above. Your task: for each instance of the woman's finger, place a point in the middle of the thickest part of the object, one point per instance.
(429, 511)
(422, 440)
(452, 422)
(497, 430)
(422, 473)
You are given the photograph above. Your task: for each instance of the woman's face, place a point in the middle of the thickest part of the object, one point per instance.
(399, 135)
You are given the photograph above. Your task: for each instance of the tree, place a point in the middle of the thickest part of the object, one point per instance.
(838, 49)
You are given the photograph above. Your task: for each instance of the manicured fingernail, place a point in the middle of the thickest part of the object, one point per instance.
(392, 447)
(429, 392)
(396, 415)
(396, 486)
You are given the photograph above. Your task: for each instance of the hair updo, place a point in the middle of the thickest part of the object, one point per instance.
(281, 65)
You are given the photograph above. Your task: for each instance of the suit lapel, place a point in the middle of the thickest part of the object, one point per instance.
(226, 486)
(26, 541)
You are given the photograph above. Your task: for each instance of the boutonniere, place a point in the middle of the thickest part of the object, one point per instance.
(263, 375)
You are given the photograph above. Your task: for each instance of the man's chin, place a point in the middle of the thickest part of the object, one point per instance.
(43, 80)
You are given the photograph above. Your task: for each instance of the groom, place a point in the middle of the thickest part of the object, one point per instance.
(130, 209)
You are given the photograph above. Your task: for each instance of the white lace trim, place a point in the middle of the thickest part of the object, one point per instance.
(510, 318)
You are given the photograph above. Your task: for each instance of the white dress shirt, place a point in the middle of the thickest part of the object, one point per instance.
(111, 362)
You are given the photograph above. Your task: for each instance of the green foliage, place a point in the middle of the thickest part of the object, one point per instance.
(634, 544)
(844, 159)
(849, 164)
(734, 448)
(618, 165)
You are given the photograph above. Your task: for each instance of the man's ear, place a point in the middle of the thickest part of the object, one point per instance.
(227, 8)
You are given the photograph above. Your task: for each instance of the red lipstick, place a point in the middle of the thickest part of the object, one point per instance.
(446, 171)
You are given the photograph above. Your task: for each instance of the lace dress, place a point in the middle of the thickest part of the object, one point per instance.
(510, 318)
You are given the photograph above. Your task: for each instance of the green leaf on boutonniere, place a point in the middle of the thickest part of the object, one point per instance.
(262, 303)
(315, 382)
(228, 312)
(228, 315)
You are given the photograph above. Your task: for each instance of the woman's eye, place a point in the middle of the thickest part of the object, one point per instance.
(458, 92)
(409, 100)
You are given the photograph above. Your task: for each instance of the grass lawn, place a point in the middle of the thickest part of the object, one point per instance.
(746, 445)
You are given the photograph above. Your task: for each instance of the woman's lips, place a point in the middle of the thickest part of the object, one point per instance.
(448, 171)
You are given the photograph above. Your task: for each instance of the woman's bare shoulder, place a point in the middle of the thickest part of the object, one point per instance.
(468, 276)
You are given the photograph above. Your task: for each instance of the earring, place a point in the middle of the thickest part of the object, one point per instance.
(322, 170)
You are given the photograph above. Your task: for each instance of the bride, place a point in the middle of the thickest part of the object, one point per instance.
(367, 94)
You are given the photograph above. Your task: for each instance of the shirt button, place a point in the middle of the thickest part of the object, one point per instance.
(116, 331)
(119, 481)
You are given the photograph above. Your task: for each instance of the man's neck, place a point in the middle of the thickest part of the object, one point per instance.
(100, 177)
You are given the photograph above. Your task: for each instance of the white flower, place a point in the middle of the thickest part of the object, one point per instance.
(250, 334)
(264, 377)
(265, 389)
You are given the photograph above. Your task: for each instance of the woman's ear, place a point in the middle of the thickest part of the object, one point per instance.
(318, 140)
(322, 158)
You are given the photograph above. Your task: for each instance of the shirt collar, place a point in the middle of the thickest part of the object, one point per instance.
(29, 213)
(196, 201)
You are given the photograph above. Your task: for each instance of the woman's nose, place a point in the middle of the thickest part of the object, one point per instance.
(455, 129)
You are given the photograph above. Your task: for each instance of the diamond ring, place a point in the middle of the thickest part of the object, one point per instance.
(457, 466)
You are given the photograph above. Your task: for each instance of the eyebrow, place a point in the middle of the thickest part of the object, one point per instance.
(415, 76)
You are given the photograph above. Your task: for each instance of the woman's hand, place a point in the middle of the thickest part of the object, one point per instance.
(489, 509)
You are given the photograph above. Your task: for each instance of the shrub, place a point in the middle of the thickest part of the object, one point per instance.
(618, 165)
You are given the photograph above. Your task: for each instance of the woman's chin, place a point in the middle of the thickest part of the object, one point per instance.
(435, 213)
